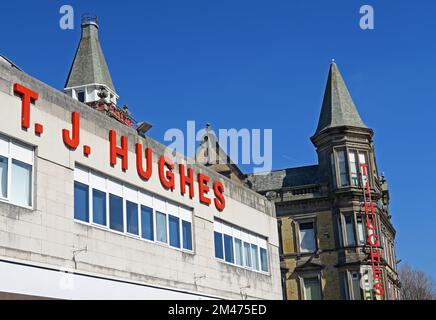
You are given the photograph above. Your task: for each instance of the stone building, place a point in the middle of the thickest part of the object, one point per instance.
(90, 208)
(321, 213)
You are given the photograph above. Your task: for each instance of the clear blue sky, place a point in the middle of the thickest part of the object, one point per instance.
(264, 64)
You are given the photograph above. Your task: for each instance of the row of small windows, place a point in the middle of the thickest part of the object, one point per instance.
(240, 248)
(104, 202)
(16, 172)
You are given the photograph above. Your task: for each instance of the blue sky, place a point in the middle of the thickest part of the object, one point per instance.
(264, 64)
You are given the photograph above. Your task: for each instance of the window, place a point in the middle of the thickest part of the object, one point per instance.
(174, 226)
(122, 208)
(81, 202)
(161, 227)
(255, 256)
(360, 231)
(132, 218)
(356, 160)
(219, 252)
(354, 170)
(228, 248)
(344, 285)
(349, 229)
(16, 172)
(187, 235)
(99, 207)
(247, 255)
(241, 248)
(312, 288)
(343, 174)
(263, 260)
(147, 223)
(3, 177)
(307, 237)
(21, 183)
(238, 252)
(355, 281)
(116, 213)
(81, 96)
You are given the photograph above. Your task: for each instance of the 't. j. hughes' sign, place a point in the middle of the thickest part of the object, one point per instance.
(71, 138)
(372, 230)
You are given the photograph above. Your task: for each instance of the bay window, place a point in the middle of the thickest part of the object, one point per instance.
(16, 172)
(351, 230)
(347, 167)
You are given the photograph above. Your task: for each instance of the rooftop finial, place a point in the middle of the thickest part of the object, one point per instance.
(88, 19)
(333, 60)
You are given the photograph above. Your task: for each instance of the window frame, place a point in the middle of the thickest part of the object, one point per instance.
(142, 198)
(10, 156)
(310, 275)
(337, 183)
(247, 238)
(298, 222)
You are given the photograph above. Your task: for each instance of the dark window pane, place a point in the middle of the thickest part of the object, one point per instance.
(147, 223)
(81, 96)
(81, 202)
(161, 227)
(263, 260)
(116, 213)
(99, 207)
(187, 235)
(219, 245)
(174, 224)
(132, 217)
(228, 248)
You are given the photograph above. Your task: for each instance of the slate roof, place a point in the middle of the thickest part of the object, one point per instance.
(338, 108)
(89, 65)
(278, 179)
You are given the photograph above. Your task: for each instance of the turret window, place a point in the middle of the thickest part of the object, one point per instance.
(347, 167)
(343, 174)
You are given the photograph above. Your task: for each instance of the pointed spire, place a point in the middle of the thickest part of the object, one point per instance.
(338, 108)
(89, 66)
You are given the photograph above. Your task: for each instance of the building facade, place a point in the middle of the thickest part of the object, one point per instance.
(329, 250)
(90, 208)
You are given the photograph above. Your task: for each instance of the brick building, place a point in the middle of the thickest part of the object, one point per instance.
(321, 213)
